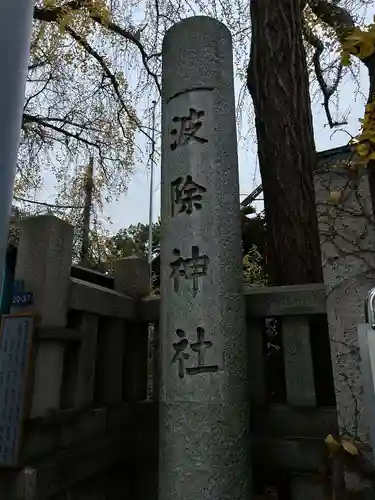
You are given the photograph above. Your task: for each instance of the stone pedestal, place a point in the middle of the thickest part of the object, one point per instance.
(204, 441)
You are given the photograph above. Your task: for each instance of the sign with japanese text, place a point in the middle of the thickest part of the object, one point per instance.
(16, 338)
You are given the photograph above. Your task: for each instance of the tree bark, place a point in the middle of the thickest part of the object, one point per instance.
(370, 64)
(279, 86)
(89, 184)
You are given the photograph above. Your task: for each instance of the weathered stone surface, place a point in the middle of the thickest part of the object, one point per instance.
(347, 240)
(262, 301)
(43, 263)
(87, 361)
(204, 448)
(99, 300)
(266, 301)
(109, 362)
(298, 362)
(132, 276)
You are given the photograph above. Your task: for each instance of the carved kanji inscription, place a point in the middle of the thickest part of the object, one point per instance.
(186, 129)
(183, 354)
(186, 195)
(191, 268)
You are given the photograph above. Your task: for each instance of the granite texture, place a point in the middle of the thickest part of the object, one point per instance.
(347, 234)
(298, 362)
(43, 263)
(132, 276)
(203, 451)
(204, 390)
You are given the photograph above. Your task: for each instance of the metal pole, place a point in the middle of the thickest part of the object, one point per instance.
(150, 217)
(15, 36)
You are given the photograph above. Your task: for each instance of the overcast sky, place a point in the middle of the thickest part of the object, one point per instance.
(133, 207)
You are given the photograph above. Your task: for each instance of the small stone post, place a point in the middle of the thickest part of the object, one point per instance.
(43, 262)
(133, 279)
(204, 439)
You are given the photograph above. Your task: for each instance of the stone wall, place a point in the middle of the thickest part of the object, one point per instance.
(92, 357)
(347, 232)
(89, 364)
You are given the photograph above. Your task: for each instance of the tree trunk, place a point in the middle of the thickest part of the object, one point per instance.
(370, 64)
(279, 85)
(85, 250)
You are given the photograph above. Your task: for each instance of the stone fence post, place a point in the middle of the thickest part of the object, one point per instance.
(43, 263)
(132, 278)
(204, 439)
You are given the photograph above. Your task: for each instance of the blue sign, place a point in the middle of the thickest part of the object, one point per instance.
(21, 298)
(24, 299)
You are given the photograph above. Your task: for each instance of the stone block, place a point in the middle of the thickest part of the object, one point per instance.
(132, 276)
(43, 263)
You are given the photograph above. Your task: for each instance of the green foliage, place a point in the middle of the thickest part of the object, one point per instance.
(359, 42)
(253, 271)
(133, 241)
(16, 215)
(78, 102)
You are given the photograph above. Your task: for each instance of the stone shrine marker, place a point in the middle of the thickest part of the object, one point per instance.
(204, 441)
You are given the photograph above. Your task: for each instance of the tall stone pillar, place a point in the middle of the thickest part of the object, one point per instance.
(204, 441)
(43, 263)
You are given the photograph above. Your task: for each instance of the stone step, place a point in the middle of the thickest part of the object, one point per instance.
(291, 454)
(46, 478)
(284, 420)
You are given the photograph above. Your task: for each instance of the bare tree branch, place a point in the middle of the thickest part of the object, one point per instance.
(90, 50)
(27, 118)
(332, 14)
(327, 90)
(115, 28)
(53, 15)
(105, 69)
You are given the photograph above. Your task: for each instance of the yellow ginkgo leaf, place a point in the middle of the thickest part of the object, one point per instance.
(334, 197)
(366, 48)
(345, 58)
(362, 148)
(356, 35)
(349, 447)
(331, 443)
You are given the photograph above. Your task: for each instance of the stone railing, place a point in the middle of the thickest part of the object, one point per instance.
(93, 430)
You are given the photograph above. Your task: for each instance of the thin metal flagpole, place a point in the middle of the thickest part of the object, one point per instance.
(15, 37)
(150, 219)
